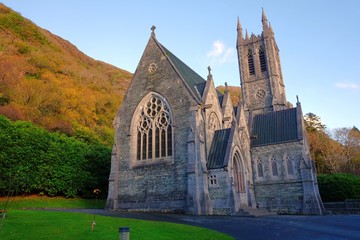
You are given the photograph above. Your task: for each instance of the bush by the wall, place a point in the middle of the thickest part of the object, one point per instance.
(338, 187)
(33, 160)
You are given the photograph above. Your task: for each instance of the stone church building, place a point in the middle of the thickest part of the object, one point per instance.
(181, 146)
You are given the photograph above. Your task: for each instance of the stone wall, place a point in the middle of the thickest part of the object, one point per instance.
(161, 184)
(279, 188)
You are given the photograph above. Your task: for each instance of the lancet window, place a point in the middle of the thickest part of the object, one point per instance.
(251, 62)
(289, 164)
(262, 59)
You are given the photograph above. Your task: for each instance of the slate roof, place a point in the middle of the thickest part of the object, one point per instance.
(190, 76)
(201, 87)
(275, 127)
(235, 110)
(221, 99)
(218, 149)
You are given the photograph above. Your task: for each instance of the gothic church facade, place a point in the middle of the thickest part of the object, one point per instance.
(180, 145)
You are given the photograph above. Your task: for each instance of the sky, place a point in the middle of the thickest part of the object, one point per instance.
(318, 41)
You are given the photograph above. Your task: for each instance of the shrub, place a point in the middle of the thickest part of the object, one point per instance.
(338, 187)
(33, 160)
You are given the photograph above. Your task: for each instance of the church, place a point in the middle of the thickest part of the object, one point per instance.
(182, 146)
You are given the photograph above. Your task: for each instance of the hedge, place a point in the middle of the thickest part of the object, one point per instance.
(33, 160)
(338, 187)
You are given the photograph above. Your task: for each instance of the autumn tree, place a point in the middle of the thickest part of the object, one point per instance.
(349, 153)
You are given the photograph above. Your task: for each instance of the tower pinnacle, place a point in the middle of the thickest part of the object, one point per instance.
(240, 36)
(239, 28)
(263, 17)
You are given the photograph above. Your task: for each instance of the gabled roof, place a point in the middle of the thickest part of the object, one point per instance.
(275, 127)
(190, 76)
(218, 149)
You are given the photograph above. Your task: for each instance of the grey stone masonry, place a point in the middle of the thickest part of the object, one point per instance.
(181, 146)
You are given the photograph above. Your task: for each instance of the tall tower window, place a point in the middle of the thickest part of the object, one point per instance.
(251, 63)
(262, 59)
(154, 130)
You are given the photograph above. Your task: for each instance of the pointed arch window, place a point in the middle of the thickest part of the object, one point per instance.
(260, 172)
(251, 62)
(274, 167)
(289, 164)
(262, 59)
(154, 130)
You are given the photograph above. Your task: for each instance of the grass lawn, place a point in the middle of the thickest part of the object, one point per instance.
(37, 224)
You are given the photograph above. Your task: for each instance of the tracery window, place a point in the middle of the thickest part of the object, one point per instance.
(154, 130)
(262, 59)
(251, 63)
(213, 122)
(213, 180)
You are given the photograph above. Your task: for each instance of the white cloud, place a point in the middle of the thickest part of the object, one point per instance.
(220, 53)
(347, 85)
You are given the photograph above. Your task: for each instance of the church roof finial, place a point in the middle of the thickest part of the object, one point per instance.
(209, 77)
(246, 34)
(153, 30)
(226, 87)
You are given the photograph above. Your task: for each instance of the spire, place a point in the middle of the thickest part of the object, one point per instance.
(240, 36)
(239, 28)
(153, 31)
(246, 35)
(270, 27)
(263, 17)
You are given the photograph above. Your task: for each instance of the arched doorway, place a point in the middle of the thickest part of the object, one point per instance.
(238, 180)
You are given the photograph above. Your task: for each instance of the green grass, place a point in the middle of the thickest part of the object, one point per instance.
(31, 202)
(39, 224)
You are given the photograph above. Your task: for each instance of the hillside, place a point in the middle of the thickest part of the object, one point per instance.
(48, 81)
(235, 93)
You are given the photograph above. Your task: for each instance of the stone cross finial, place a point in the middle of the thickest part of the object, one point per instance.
(226, 87)
(153, 30)
(209, 69)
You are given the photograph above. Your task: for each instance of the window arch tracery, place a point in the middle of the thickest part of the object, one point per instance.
(154, 129)
(214, 122)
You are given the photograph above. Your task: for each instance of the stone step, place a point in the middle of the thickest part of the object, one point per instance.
(246, 211)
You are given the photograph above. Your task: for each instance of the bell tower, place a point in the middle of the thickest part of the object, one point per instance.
(261, 78)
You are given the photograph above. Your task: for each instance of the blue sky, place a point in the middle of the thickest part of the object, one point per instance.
(318, 41)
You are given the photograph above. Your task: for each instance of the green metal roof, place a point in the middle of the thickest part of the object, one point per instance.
(275, 127)
(218, 149)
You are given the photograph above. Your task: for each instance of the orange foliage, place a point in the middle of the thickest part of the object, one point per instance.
(48, 81)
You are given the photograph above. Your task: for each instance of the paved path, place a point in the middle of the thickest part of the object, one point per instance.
(330, 227)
